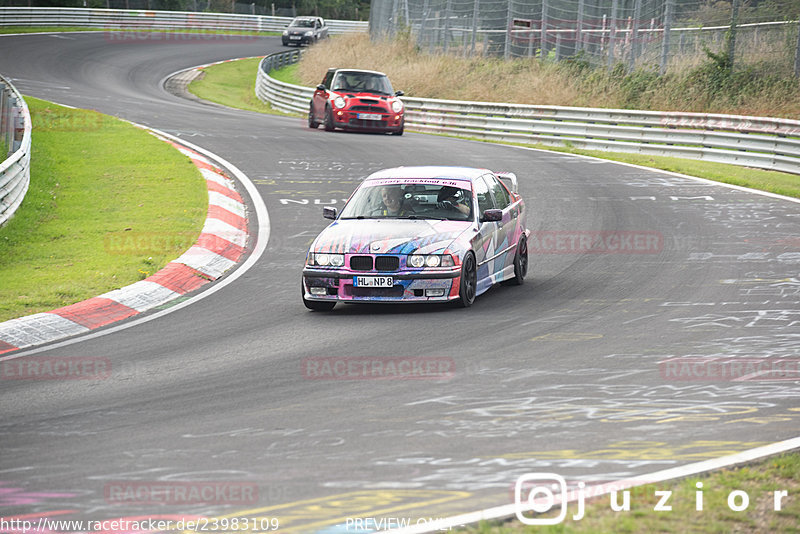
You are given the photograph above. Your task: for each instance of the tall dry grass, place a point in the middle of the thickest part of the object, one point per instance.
(757, 90)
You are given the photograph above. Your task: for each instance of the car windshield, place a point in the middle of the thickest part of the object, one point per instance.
(409, 201)
(302, 23)
(366, 82)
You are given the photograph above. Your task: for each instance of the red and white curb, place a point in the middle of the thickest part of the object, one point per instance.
(220, 246)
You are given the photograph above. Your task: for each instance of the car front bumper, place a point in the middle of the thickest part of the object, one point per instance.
(417, 286)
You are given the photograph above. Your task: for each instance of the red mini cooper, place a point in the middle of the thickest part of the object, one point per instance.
(361, 100)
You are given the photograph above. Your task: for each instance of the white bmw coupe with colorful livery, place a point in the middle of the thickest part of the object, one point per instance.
(419, 234)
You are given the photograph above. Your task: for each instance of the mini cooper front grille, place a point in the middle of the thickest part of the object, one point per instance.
(361, 263)
(373, 109)
(387, 263)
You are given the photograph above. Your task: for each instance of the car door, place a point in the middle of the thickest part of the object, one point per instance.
(507, 228)
(320, 98)
(484, 241)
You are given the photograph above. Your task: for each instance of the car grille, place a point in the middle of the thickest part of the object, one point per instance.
(361, 263)
(372, 109)
(385, 292)
(367, 124)
(381, 263)
(387, 263)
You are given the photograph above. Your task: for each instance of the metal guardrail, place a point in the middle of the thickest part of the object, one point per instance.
(761, 142)
(112, 19)
(15, 133)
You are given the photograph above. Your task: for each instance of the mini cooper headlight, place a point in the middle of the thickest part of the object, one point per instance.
(397, 106)
(326, 260)
(339, 102)
(309, 33)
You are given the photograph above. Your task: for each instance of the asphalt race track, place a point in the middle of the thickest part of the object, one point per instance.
(566, 374)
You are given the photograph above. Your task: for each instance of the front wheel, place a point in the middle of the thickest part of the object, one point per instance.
(469, 281)
(329, 127)
(312, 121)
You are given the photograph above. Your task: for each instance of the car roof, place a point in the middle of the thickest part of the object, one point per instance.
(430, 172)
(356, 70)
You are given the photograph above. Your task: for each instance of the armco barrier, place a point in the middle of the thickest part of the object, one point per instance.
(155, 20)
(15, 133)
(761, 142)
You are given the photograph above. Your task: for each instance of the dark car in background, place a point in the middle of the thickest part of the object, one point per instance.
(357, 100)
(305, 30)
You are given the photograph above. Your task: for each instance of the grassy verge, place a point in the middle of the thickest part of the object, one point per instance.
(759, 481)
(108, 205)
(231, 84)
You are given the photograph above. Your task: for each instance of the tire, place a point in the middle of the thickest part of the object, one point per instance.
(520, 264)
(315, 305)
(312, 122)
(329, 127)
(469, 281)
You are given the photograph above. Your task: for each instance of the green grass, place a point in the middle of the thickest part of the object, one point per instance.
(108, 205)
(772, 181)
(759, 481)
(231, 84)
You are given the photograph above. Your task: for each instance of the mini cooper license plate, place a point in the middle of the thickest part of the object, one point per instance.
(373, 281)
(369, 116)
(295, 37)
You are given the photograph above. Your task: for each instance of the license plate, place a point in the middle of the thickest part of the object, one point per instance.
(373, 281)
(296, 37)
(369, 116)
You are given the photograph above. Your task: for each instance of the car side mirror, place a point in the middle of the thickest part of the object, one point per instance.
(399, 93)
(330, 213)
(322, 87)
(492, 215)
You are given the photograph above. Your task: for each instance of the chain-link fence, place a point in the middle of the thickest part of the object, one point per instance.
(604, 32)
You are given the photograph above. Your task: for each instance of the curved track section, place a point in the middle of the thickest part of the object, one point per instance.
(573, 373)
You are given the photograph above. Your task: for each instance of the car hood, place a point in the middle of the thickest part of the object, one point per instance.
(390, 236)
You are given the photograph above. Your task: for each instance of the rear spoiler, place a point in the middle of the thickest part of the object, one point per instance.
(510, 180)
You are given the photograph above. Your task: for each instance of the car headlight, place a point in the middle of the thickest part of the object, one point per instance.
(309, 34)
(430, 260)
(397, 106)
(339, 102)
(285, 32)
(323, 259)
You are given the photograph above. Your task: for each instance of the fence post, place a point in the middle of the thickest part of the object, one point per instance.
(509, 18)
(797, 54)
(665, 42)
(732, 32)
(637, 12)
(543, 40)
(579, 27)
(447, 8)
(475, 9)
(425, 9)
(612, 34)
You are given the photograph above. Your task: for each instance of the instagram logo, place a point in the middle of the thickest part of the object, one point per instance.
(535, 492)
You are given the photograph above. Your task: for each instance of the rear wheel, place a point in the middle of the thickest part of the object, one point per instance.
(315, 305)
(312, 121)
(520, 263)
(329, 127)
(469, 281)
